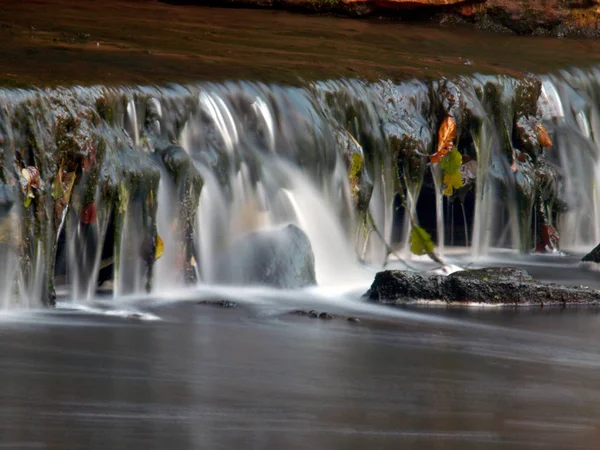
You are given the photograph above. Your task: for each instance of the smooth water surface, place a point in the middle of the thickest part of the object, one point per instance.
(255, 377)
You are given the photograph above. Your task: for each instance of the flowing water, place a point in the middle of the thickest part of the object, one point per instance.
(136, 356)
(247, 377)
(323, 156)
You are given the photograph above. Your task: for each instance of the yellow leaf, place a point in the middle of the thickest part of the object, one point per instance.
(160, 248)
(420, 241)
(446, 136)
(452, 181)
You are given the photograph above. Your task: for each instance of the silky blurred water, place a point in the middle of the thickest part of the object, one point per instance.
(185, 375)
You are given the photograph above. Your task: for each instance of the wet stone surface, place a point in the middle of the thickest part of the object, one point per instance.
(218, 303)
(492, 285)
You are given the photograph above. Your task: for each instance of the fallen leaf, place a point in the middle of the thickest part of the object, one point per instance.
(160, 248)
(420, 241)
(452, 181)
(446, 136)
(452, 161)
(543, 136)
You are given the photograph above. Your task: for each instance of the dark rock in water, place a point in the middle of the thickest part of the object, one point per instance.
(353, 319)
(219, 303)
(493, 285)
(593, 256)
(325, 316)
(281, 258)
(313, 314)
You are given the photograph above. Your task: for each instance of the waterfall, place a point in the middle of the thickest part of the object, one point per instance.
(191, 169)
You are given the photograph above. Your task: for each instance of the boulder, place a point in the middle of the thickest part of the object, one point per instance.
(492, 285)
(280, 258)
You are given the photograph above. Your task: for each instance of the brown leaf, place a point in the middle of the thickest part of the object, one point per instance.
(543, 136)
(446, 136)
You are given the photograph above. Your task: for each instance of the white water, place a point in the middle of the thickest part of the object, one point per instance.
(269, 156)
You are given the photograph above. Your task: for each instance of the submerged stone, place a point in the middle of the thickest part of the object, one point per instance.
(492, 285)
(281, 258)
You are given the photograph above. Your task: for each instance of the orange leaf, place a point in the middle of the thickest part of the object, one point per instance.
(543, 136)
(446, 136)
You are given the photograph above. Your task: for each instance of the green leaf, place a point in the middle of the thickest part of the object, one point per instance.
(420, 241)
(452, 181)
(451, 161)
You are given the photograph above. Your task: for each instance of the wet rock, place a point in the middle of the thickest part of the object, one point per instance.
(547, 18)
(353, 319)
(593, 256)
(525, 136)
(187, 183)
(361, 184)
(325, 316)
(491, 285)
(281, 258)
(219, 303)
(313, 314)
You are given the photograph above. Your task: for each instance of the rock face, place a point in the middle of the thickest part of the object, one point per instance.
(540, 17)
(280, 258)
(490, 285)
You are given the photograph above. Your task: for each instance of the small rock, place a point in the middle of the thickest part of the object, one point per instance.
(313, 314)
(325, 316)
(353, 319)
(300, 312)
(219, 303)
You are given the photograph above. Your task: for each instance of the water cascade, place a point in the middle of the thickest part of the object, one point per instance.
(96, 183)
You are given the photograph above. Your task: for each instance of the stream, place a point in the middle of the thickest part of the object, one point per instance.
(136, 155)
